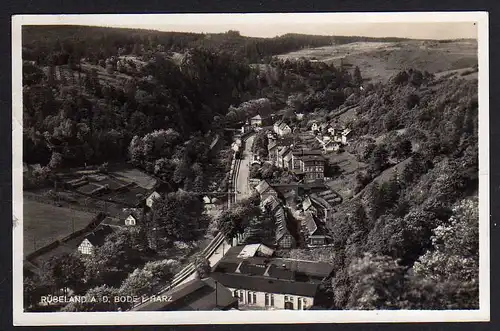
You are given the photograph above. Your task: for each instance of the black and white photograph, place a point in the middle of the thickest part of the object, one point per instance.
(305, 167)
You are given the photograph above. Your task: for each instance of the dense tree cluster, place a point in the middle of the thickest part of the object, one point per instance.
(234, 221)
(177, 216)
(62, 44)
(396, 235)
(408, 239)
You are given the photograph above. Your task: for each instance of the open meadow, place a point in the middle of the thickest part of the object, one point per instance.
(381, 60)
(44, 223)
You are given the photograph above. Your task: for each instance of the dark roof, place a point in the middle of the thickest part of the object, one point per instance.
(284, 150)
(230, 262)
(329, 196)
(265, 284)
(320, 201)
(312, 268)
(113, 221)
(304, 152)
(280, 273)
(306, 158)
(98, 236)
(314, 184)
(194, 295)
(281, 224)
(248, 268)
(272, 145)
(262, 186)
(271, 202)
(226, 267)
(309, 223)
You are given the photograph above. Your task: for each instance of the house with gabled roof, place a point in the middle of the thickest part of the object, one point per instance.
(150, 200)
(94, 239)
(265, 190)
(345, 135)
(328, 144)
(284, 239)
(313, 231)
(273, 149)
(285, 157)
(271, 203)
(256, 120)
(315, 127)
(281, 128)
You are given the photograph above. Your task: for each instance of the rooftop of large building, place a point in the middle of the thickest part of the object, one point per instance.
(197, 294)
(272, 267)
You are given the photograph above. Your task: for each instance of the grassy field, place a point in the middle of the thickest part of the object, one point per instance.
(44, 223)
(346, 182)
(465, 73)
(379, 61)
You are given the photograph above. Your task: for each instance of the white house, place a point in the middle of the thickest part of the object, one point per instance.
(151, 199)
(235, 147)
(329, 144)
(281, 128)
(256, 120)
(345, 135)
(299, 116)
(209, 200)
(131, 220)
(94, 239)
(253, 250)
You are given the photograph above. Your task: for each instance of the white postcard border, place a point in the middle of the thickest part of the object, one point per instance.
(21, 318)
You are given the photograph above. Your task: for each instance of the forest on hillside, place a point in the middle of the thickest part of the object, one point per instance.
(161, 115)
(409, 241)
(96, 43)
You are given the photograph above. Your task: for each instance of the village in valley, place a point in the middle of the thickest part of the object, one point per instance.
(300, 208)
(162, 177)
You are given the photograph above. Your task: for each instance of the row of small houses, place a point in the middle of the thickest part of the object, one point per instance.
(303, 222)
(129, 218)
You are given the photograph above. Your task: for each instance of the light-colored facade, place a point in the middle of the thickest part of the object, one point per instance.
(130, 220)
(313, 168)
(314, 127)
(271, 300)
(256, 120)
(282, 129)
(151, 199)
(86, 247)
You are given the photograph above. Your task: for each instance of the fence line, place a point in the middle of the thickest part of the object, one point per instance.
(96, 221)
(50, 201)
